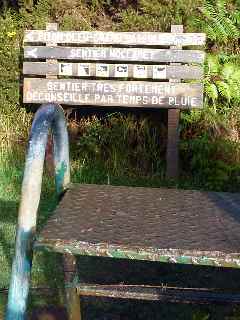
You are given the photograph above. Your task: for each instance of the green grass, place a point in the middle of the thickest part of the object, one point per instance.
(11, 172)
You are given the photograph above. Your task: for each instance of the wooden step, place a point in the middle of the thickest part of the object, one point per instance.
(156, 224)
(160, 293)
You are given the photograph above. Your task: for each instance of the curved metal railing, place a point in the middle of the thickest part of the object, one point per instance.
(49, 116)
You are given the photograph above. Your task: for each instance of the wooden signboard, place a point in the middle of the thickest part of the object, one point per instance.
(101, 68)
(112, 69)
(115, 70)
(115, 38)
(114, 54)
(113, 93)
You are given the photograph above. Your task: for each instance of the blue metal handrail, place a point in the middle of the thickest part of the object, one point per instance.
(49, 116)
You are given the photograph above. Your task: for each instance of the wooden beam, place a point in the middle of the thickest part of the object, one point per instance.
(53, 62)
(114, 54)
(159, 293)
(173, 127)
(131, 70)
(113, 93)
(71, 296)
(115, 38)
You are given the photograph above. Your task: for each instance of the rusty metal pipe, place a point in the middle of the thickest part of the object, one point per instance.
(49, 116)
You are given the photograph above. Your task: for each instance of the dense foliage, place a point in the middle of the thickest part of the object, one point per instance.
(210, 150)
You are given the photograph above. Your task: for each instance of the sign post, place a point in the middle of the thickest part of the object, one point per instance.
(173, 127)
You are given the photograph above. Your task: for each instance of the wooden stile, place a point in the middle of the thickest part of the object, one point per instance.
(124, 69)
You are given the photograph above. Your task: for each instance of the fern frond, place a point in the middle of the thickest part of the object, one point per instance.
(221, 5)
(228, 70)
(236, 17)
(236, 77)
(225, 58)
(210, 33)
(235, 92)
(220, 31)
(209, 11)
(224, 89)
(213, 64)
(221, 24)
(211, 91)
(229, 27)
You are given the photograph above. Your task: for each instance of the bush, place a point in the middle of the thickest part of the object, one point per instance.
(214, 164)
(122, 145)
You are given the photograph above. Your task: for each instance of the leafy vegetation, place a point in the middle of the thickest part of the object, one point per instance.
(222, 80)
(220, 20)
(126, 148)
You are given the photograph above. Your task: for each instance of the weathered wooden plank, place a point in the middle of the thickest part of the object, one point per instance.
(113, 93)
(71, 297)
(173, 127)
(51, 27)
(118, 38)
(159, 293)
(114, 54)
(89, 70)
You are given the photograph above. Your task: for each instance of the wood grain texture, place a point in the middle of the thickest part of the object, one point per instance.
(114, 54)
(162, 293)
(51, 43)
(115, 38)
(172, 171)
(172, 72)
(72, 299)
(113, 93)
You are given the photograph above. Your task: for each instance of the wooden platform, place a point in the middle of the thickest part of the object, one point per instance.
(156, 224)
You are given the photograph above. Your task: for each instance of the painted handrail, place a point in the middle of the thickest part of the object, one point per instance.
(49, 116)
